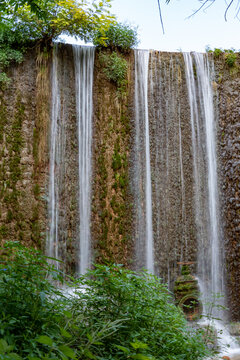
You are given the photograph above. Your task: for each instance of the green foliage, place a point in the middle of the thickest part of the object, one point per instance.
(11, 49)
(120, 36)
(27, 304)
(217, 52)
(113, 314)
(61, 16)
(115, 69)
(230, 58)
(39, 22)
(150, 324)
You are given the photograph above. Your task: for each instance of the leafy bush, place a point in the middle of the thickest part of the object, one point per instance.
(115, 68)
(230, 58)
(120, 36)
(29, 304)
(150, 325)
(217, 52)
(113, 314)
(11, 49)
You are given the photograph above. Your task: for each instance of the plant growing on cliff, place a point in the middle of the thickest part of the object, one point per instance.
(115, 69)
(230, 58)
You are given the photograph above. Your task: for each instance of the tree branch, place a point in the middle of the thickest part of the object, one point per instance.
(160, 14)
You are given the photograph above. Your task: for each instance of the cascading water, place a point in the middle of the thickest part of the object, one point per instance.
(52, 246)
(68, 188)
(210, 257)
(84, 64)
(205, 173)
(142, 176)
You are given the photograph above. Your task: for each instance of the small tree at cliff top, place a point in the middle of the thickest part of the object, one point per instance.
(77, 18)
(29, 23)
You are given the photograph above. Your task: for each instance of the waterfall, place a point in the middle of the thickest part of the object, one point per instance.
(65, 157)
(52, 246)
(142, 177)
(84, 64)
(205, 174)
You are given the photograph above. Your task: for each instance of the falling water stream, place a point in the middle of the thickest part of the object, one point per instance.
(52, 246)
(58, 203)
(84, 63)
(205, 173)
(210, 257)
(143, 170)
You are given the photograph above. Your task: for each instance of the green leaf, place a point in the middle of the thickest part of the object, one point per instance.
(3, 346)
(123, 348)
(89, 354)
(68, 314)
(67, 351)
(139, 345)
(141, 357)
(14, 356)
(65, 333)
(45, 340)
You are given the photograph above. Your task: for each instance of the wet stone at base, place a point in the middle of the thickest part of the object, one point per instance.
(187, 294)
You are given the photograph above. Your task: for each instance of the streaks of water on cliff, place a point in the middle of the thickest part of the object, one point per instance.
(142, 171)
(84, 65)
(210, 257)
(56, 155)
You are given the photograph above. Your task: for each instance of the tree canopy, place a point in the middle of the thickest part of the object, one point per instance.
(47, 19)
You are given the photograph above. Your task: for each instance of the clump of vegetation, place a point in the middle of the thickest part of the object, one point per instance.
(230, 58)
(120, 314)
(217, 52)
(25, 24)
(11, 50)
(118, 36)
(115, 69)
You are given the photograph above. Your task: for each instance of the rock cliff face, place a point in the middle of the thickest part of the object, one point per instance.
(24, 122)
(25, 128)
(228, 100)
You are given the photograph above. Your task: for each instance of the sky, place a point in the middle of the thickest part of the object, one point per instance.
(183, 32)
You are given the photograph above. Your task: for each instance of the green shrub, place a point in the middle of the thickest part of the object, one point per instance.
(115, 68)
(217, 52)
(11, 49)
(120, 36)
(114, 314)
(30, 305)
(150, 326)
(230, 58)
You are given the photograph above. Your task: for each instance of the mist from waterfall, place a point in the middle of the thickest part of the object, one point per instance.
(84, 66)
(210, 263)
(142, 173)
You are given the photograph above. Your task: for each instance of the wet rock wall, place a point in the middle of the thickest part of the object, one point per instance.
(228, 102)
(24, 119)
(25, 113)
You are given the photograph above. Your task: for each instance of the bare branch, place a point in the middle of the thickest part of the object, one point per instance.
(200, 8)
(160, 14)
(229, 5)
